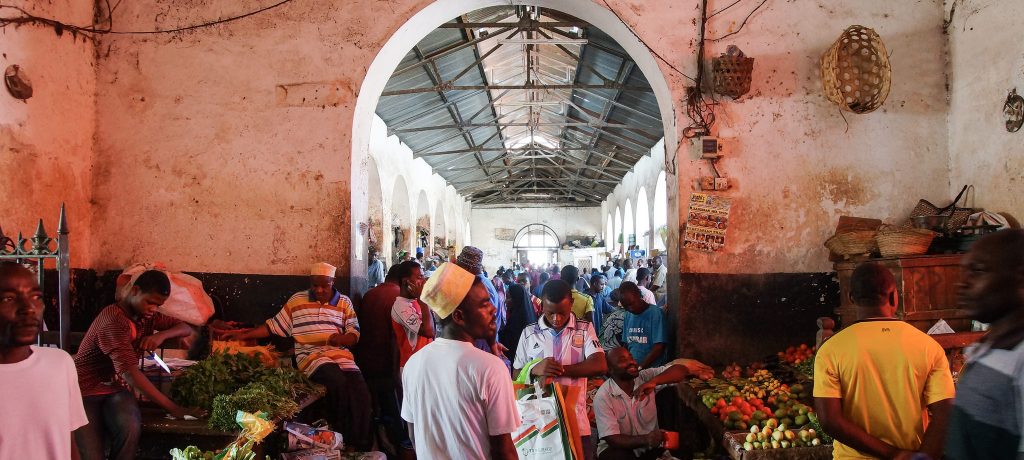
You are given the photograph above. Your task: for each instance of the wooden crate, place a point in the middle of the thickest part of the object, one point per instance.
(926, 287)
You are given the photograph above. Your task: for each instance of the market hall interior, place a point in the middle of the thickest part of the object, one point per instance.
(243, 151)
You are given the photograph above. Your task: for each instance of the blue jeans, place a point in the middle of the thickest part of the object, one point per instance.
(114, 421)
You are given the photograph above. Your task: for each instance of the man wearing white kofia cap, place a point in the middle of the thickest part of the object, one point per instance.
(324, 326)
(459, 400)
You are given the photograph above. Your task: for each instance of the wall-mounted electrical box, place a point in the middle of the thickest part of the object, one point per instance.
(707, 147)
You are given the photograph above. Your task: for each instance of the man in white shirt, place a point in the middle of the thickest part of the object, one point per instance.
(643, 279)
(570, 348)
(659, 281)
(625, 409)
(459, 400)
(628, 267)
(42, 403)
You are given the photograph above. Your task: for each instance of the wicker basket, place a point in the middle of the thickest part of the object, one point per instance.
(853, 243)
(899, 242)
(732, 74)
(855, 71)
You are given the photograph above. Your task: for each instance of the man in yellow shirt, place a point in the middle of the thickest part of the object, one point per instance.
(876, 380)
(582, 304)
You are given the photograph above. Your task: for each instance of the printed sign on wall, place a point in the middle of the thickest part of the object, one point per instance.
(707, 222)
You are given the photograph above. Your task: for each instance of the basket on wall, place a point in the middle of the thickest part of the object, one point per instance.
(855, 71)
(732, 72)
(899, 242)
(850, 244)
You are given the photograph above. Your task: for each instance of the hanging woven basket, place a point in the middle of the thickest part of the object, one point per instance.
(732, 73)
(855, 71)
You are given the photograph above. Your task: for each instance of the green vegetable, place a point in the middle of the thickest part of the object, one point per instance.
(816, 424)
(253, 398)
(220, 373)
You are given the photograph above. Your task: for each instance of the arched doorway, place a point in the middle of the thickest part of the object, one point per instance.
(376, 226)
(628, 227)
(437, 13)
(401, 222)
(643, 221)
(660, 214)
(421, 242)
(438, 232)
(536, 244)
(609, 240)
(619, 241)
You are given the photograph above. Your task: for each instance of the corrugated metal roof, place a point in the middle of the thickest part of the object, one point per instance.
(468, 100)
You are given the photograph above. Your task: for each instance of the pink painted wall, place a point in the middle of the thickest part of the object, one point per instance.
(46, 153)
(228, 148)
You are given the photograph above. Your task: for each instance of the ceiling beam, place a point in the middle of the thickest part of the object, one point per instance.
(575, 123)
(448, 86)
(524, 24)
(444, 52)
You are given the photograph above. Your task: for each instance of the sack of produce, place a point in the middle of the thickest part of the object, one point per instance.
(318, 453)
(187, 302)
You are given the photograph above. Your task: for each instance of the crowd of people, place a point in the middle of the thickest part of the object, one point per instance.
(431, 360)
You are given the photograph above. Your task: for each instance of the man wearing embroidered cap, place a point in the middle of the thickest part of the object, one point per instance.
(459, 400)
(471, 259)
(324, 326)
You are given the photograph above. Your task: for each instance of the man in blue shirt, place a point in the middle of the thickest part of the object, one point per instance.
(602, 305)
(643, 329)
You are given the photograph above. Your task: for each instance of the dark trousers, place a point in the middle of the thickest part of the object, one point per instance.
(618, 453)
(114, 421)
(348, 405)
(387, 410)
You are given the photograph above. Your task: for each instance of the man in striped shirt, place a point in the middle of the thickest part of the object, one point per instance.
(325, 328)
(108, 368)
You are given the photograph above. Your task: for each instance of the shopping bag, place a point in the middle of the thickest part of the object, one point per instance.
(543, 434)
(567, 396)
(188, 300)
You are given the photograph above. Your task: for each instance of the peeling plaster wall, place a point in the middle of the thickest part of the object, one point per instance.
(987, 61)
(46, 150)
(563, 221)
(207, 136)
(795, 164)
(227, 148)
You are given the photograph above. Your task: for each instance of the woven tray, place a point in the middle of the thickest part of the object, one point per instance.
(899, 242)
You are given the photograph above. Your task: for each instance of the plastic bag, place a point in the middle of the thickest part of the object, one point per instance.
(187, 302)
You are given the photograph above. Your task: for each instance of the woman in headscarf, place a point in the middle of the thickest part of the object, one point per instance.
(520, 314)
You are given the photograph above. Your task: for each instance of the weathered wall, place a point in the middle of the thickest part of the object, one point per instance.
(46, 142)
(796, 164)
(563, 221)
(986, 62)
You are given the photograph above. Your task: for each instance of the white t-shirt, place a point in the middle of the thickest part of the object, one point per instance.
(41, 406)
(456, 397)
(618, 413)
(647, 296)
(630, 275)
(660, 279)
(576, 342)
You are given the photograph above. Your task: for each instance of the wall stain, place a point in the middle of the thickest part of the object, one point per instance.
(842, 186)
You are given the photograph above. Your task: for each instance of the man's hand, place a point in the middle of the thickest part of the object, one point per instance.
(548, 367)
(499, 349)
(180, 412)
(234, 335)
(151, 342)
(643, 391)
(655, 438)
(697, 368)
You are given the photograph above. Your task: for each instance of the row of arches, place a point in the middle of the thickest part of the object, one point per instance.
(645, 226)
(409, 206)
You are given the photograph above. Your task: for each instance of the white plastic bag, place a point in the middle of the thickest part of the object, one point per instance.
(187, 302)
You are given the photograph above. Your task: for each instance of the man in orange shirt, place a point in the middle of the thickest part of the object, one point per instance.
(411, 319)
(876, 380)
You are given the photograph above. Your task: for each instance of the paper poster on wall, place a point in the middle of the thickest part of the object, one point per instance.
(707, 222)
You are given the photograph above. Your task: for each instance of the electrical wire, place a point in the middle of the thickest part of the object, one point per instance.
(723, 9)
(28, 18)
(642, 42)
(723, 37)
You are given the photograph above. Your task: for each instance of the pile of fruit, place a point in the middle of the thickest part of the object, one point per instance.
(732, 372)
(779, 436)
(796, 355)
(739, 413)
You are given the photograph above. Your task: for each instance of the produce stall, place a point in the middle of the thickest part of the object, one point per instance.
(227, 384)
(763, 411)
